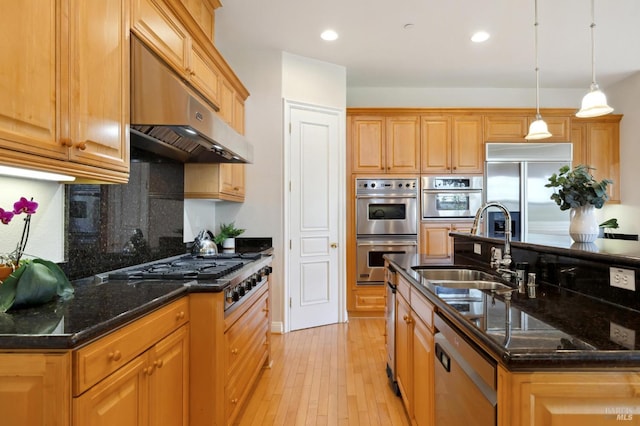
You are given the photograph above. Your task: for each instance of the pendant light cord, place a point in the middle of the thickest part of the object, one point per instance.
(593, 44)
(535, 25)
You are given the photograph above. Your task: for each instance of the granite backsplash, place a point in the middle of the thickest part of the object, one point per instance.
(114, 226)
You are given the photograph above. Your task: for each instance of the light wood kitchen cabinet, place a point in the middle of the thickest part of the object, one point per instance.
(451, 144)
(385, 144)
(435, 241)
(34, 387)
(222, 181)
(228, 355)
(136, 375)
(568, 398)
(367, 300)
(203, 11)
(65, 99)
(596, 143)
(559, 127)
(513, 128)
(415, 353)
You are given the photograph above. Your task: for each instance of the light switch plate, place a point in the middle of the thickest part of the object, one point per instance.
(622, 278)
(622, 336)
(477, 248)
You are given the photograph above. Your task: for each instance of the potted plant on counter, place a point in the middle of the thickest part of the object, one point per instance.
(579, 191)
(227, 235)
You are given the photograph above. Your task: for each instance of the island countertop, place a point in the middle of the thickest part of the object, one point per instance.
(559, 329)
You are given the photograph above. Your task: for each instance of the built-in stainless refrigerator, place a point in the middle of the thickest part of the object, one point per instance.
(516, 175)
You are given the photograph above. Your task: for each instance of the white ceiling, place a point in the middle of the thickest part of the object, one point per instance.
(377, 51)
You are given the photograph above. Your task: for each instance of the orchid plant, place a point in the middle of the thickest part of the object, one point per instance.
(21, 206)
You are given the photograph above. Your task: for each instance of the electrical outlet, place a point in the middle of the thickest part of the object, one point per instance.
(477, 248)
(622, 336)
(622, 278)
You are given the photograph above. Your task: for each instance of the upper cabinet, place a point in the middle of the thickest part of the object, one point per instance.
(451, 144)
(385, 144)
(596, 143)
(64, 102)
(503, 127)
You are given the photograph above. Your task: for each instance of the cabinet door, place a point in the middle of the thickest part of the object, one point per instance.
(30, 78)
(403, 145)
(435, 136)
(99, 108)
(505, 128)
(559, 127)
(168, 383)
(467, 145)
(120, 399)
(603, 154)
(238, 114)
(423, 382)
(34, 389)
(368, 147)
(227, 94)
(232, 180)
(404, 332)
(161, 31)
(204, 74)
(435, 241)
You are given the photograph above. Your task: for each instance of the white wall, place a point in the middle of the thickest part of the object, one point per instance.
(314, 82)
(46, 238)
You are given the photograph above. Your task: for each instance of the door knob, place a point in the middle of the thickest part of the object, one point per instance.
(334, 245)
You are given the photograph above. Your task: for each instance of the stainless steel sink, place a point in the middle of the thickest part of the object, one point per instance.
(462, 278)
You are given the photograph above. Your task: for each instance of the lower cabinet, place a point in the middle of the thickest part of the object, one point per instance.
(35, 387)
(568, 398)
(150, 389)
(414, 355)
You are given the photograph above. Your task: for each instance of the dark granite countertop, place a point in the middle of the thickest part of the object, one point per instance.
(97, 308)
(558, 329)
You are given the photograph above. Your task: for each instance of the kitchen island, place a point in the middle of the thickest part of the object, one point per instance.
(569, 355)
(120, 352)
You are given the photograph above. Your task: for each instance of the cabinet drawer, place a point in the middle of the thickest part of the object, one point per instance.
(97, 360)
(404, 288)
(423, 308)
(247, 336)
(240, 383)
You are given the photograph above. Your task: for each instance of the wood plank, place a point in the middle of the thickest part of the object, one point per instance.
(331, 375)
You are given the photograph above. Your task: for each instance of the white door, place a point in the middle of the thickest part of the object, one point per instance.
(314, 217)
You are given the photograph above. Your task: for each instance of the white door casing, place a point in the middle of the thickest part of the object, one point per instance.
(315, 216)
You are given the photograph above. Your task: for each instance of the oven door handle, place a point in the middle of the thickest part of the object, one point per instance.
(387, 243)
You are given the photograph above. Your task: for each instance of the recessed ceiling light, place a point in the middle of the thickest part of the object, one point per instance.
(480, 36)
(329, 35)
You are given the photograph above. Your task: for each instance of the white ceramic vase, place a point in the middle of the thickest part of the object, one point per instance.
(229, 245)
(584, 226)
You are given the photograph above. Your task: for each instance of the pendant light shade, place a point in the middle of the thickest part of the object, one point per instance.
(538, 129)
(594, 103)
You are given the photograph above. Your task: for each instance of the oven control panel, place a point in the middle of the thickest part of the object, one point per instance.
(386, 186)
(235, 292)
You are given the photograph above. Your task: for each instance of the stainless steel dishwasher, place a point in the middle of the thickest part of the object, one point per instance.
(465, 380)
(390, 317)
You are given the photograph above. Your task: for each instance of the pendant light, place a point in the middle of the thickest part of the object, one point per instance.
(594, 103)
(538, 129)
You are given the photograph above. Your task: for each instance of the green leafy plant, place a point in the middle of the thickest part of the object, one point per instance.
(227, 231)
(610, 224)
(577, 188)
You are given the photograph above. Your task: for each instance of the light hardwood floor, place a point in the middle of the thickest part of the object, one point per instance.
(331, 375)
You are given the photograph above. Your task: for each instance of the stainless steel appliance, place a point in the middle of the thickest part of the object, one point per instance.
(465, 380)
(386, 223)
(516, 175)
(390, 323)
(451, 196)
(386, 207)
(169, 118)
(237, 274)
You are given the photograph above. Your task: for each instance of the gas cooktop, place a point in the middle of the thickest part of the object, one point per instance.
(187, 267)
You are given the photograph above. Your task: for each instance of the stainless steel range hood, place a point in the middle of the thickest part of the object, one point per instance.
(170, 119)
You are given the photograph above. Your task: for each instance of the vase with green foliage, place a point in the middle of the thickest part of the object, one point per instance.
(578, 190)
(226, 236)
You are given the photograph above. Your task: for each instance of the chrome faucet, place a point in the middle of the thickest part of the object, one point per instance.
(497, 261)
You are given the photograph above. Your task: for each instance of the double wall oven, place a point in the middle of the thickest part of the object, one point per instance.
(386, 222)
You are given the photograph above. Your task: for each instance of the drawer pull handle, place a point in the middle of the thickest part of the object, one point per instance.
(81, 146)
(265, 309)
(66, 142)
(180, 315)
(234, 401)
(114, 356)
(158, 364)
(234, 351)
(148, 370)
